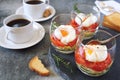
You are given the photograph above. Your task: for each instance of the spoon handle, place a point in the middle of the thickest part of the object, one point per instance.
(107, 40)
(116, 35)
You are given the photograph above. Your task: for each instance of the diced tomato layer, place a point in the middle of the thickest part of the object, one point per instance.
(58, 43)
(74, 24)
(72, 43)
(97, 66)
(91, 27)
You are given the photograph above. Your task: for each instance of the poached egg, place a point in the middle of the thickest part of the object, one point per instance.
(95, 53)
(86, 19)
(65, 33)
(80, 17)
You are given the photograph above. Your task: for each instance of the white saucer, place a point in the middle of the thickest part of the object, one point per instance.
(21, 11)
(39, 35)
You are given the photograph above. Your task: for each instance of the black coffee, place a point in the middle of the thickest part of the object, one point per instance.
(18, 23)
(34, 2)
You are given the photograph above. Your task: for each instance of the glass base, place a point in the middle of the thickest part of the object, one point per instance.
(91, 72)
(66, 50)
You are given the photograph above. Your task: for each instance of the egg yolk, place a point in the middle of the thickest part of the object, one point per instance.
(90, 51)
(64, 32)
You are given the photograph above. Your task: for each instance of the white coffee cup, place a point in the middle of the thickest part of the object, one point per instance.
(34, 9)
(19, 28)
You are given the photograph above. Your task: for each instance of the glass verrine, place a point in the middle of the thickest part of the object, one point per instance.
(63, 34)
(90, 16)
(95, 59)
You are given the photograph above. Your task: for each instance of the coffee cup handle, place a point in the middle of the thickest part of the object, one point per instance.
(7, 34)
(47, 2)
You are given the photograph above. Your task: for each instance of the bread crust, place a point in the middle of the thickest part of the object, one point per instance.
(112, 21)
(36, 65)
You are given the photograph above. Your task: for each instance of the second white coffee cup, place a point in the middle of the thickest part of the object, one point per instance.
(34, 8)
(19, 28)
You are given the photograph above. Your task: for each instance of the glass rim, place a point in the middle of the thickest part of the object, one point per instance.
(109, 34)
(88, 5)
(67, 14)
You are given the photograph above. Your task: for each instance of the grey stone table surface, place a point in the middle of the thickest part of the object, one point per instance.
(14, 63)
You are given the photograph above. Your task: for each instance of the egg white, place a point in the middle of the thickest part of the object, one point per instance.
(99, 53)
(71, 33)
(90, 20)
(80, 17)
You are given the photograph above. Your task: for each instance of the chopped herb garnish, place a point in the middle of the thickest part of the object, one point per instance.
(54, 25)
(76, 8)
(61, 60)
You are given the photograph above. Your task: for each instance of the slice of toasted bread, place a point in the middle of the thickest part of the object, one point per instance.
(47, 13)
(108, 25)
(36, 65)
(112, 21)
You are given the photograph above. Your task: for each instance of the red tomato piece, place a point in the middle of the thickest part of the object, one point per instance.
(74, 24)
(56, 41)
(72, 43)
(91, 28)
(94, 26)
(79, 57)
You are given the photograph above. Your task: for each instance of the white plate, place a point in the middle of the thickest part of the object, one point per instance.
(21, 11)
(39, 35)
